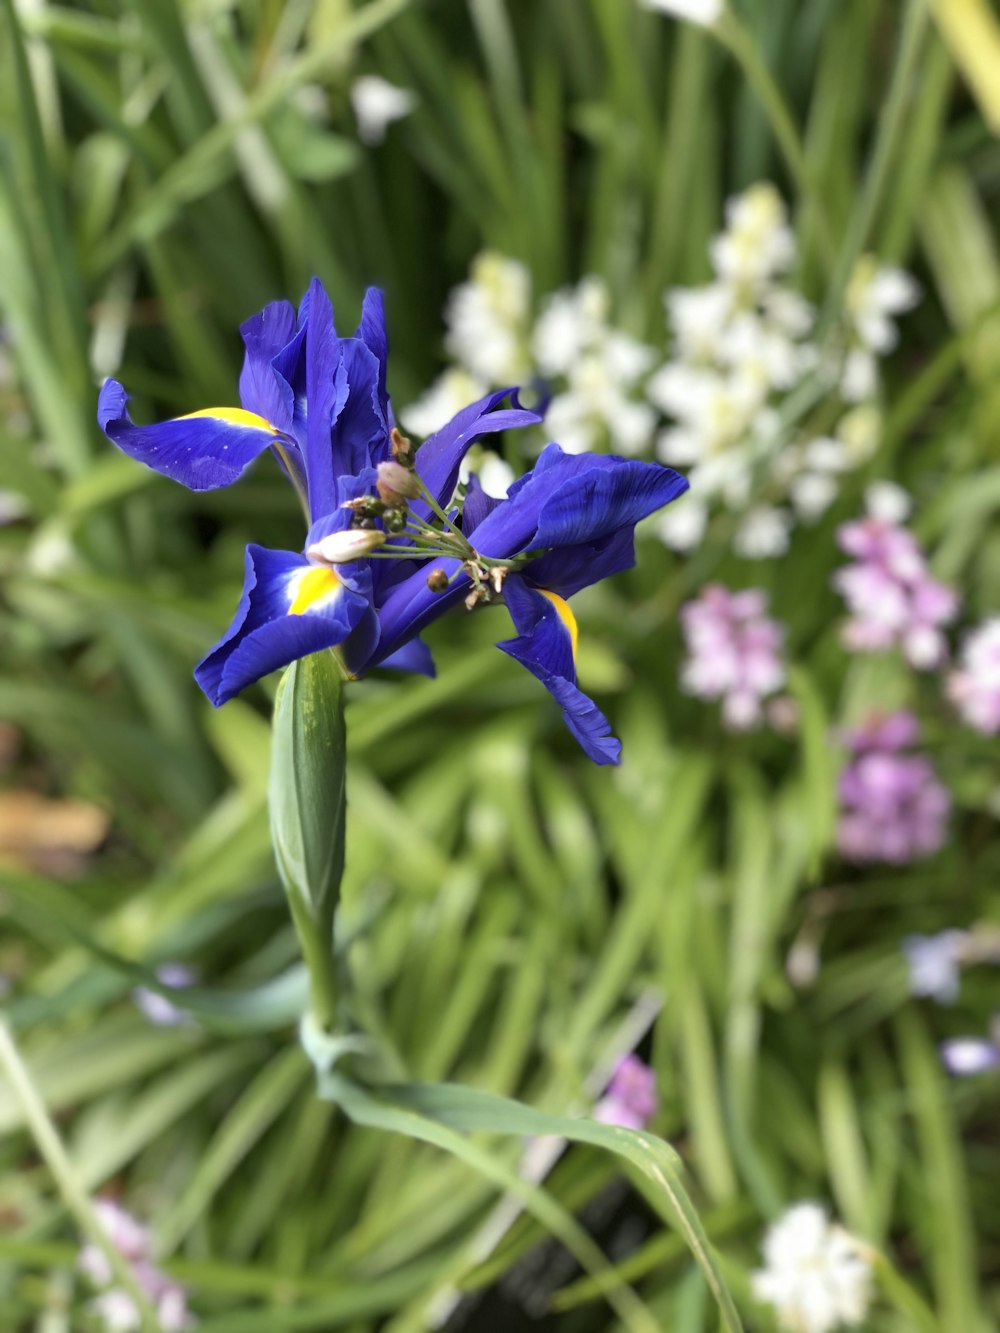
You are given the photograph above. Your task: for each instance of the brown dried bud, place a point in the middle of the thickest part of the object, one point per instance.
(437, 580)
(402, 448)
(396, 482)
(476, 596)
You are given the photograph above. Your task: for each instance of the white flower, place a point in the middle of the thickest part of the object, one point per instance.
(698, 317)
(763, 533)
(974, 687)
(812, 494)
(888, 502)
(703, 12)
(377, 103)
(859, 378)
(450, 392)
(681, 525)
(816, 1276)
(572, 321)
(788, 311)
(827, 454)
(758, 243)
(496, 476)
(488, 320)
(874, 295)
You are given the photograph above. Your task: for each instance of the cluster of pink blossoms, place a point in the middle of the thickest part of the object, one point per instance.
(974, 686)
(734, 652)
(630, 1099)
(892, 807)
(891, 597)
(115, 1306)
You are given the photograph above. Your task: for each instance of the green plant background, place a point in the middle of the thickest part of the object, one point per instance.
(507, 903)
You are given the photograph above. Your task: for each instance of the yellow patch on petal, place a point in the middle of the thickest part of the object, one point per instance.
(312, 587)
(232, 416)
(565, 615)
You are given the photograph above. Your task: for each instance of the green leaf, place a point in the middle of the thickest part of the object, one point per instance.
(429, 1111)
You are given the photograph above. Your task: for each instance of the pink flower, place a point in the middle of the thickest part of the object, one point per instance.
(892, 807)
(974, 687)
(734, 652)
(891, 597)
(630, 1100)
(114, 1306)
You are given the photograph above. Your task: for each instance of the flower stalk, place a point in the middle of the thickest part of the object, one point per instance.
(307, 804)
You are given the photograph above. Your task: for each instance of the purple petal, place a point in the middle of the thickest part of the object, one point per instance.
(202, 451)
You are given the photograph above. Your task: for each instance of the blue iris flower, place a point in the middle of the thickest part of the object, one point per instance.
(319, 403)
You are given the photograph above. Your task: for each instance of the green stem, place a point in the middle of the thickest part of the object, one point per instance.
(307, 803)
(740, 44)
(50, 1146)
(890, 123)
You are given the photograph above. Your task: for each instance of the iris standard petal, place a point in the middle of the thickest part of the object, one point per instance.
(202, 450)
(360, 432)
(326, 393)
(372, 332)
(262, 390)
(289, 608)
(439, 457)
(546, 645)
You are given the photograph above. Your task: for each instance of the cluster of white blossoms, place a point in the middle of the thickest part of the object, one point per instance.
(739, 346)
(718, 406)
(594, 372)
(817, 1276)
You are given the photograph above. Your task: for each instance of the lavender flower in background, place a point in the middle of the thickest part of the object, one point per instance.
(892, 807)
(816, 1275)
(890, 595)
(734, 652)
(974, 686)
(965, 1057)
(630, 1100)
(934, 962)
(157, 1008)
(114, 1306)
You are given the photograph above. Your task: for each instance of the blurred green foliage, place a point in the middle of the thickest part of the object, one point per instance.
(164, 175)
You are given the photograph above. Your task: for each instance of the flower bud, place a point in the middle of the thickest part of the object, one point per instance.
(396, 482)
(342, 547)
(402, 448)
(394, 520)
(437, 580)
